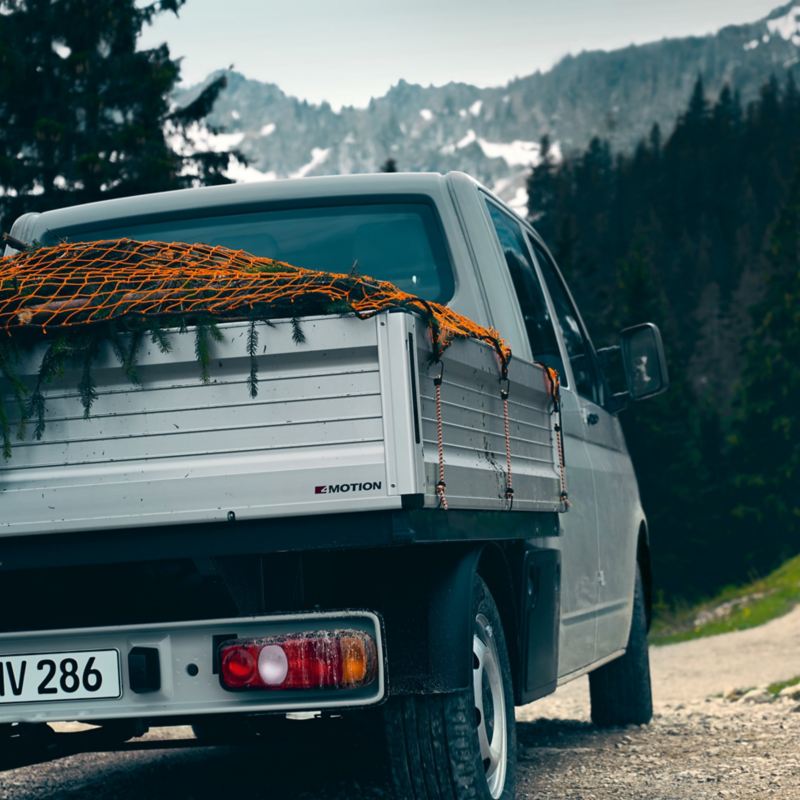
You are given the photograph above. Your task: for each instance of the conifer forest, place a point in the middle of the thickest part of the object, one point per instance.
(699, 232)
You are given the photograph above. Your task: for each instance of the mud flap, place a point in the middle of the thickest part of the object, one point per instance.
(540, 623)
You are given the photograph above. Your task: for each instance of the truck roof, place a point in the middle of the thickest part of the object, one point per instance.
(242, 194)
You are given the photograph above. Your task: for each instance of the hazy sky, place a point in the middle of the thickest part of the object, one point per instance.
(346, 51)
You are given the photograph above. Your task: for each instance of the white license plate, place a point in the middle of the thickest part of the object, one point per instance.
(43, 677)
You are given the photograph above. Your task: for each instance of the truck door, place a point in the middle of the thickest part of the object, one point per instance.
(615, 484)
(579, 545)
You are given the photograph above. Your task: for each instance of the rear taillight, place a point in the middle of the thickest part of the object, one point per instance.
(341, 659)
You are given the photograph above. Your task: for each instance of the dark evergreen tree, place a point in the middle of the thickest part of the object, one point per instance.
(541, 183)
(390, 165)
(83, 113)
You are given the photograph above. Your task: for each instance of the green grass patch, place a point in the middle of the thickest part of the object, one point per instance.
(735, 608)
(777, 688)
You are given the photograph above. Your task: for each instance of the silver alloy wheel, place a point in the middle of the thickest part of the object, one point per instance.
(490, 705)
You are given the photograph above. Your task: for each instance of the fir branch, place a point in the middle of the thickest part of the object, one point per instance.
(5, 431)
(158, 336)
(52, 365)
(298, 337)
(129, 365)
(8, 355)
(213, 329)
(86, 386)
(202, 349)
(252, 351)
(113, 336)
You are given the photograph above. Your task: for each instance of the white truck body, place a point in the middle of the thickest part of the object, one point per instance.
(183, 514)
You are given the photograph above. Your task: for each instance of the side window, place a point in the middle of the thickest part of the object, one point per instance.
(588, 380)
(538, 324)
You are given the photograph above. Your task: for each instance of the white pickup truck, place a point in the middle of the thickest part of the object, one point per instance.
(190, 553)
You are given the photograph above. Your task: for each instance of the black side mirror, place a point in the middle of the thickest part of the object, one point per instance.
(643, 361)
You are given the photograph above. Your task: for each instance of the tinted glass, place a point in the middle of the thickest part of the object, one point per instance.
(398, 242)
(579, 351)
(538, 324)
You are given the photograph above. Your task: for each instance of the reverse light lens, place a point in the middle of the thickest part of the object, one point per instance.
(345, 659)
(273, 666)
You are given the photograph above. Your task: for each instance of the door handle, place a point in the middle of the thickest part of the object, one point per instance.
(592, 418)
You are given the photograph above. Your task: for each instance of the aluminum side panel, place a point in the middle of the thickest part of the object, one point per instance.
(473, 432)
(177, 450)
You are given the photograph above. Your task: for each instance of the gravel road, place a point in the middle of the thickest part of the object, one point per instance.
(706, 741)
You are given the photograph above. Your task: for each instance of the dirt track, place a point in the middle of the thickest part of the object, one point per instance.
(699, 746)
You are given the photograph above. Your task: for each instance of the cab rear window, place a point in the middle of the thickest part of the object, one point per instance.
(401, 242)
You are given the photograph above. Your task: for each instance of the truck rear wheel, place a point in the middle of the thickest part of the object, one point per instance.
(620, 691)
(459, 745)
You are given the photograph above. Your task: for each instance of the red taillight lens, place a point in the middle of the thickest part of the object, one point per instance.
(238, 665)
(345, 659)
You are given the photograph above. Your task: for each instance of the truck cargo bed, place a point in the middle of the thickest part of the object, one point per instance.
(343, 422)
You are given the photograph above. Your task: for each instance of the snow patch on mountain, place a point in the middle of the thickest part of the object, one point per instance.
(198, 138)
(751, 45)
(318, 157)
(519, 202)
(426, 114)
(787, 26)
(202, 139)
(475, 108)
(516, 154)
(244, 173)
(268, 129)
(466, 140)
(514, 191)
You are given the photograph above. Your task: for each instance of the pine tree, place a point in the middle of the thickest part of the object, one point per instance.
(83, 113)
(541, 184)
(767, 432)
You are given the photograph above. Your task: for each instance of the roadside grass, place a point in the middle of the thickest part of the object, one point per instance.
(776, 688)
(733, 609)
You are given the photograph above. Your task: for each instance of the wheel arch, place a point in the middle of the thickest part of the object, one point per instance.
(428, 629)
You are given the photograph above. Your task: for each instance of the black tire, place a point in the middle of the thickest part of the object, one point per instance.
(620, 690)
(432, 740)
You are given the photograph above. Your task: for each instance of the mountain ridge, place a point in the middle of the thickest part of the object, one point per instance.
(493, 133)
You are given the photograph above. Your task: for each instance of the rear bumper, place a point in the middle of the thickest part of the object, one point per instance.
(179, 646)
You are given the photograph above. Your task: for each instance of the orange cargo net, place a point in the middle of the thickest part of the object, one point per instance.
(82, 283)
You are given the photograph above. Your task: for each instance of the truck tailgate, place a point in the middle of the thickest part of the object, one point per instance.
(341, 422)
